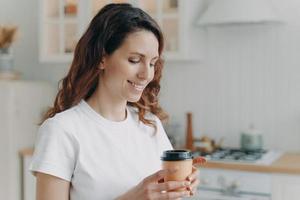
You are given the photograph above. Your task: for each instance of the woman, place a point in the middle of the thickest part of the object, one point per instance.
(103, 137)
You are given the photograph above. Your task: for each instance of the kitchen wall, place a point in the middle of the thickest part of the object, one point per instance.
(249, 74)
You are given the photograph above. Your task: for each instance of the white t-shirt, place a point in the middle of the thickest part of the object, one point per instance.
(102, 159)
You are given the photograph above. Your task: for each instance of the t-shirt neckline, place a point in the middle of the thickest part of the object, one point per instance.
(99, 118)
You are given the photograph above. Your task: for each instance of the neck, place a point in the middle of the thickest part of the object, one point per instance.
(107, 106)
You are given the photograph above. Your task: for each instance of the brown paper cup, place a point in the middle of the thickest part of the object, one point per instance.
(179, 160)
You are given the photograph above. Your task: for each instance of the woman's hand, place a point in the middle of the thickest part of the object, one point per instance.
(153, 187)
(194, 177)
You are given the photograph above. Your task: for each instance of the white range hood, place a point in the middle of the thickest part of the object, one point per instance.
(238, 12)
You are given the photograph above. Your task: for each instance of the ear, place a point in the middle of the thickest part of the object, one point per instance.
(101, 66)
(102, 63)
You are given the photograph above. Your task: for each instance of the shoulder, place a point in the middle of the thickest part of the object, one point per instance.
(65, 121)
(57, 146)
(68, 116)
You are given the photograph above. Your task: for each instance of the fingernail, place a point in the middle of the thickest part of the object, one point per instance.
(200, 159)
(187, 183)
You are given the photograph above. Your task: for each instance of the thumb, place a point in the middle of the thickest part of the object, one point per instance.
(159, 175)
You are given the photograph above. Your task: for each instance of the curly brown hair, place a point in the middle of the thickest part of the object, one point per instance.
(104, 35)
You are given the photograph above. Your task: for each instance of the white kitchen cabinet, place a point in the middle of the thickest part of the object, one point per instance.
(59, 27)
(21, 107)
(250, 185)
(286, 187)
(62, 22)
(226, 184)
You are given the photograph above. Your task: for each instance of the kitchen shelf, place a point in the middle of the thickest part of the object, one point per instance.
(59, 32)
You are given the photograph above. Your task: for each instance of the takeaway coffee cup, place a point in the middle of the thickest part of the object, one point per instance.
(181, 161)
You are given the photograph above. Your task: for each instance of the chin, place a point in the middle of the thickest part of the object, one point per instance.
(134, 99)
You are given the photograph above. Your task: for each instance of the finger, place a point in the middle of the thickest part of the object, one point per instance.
(193, 187)
(194, 168)
(199, 160)
(193, 192)
(172, 195)
(158, 175)
(170, 185)
(194, 175)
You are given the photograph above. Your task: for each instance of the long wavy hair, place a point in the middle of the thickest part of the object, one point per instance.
(104, 35)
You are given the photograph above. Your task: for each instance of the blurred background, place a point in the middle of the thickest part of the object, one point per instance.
(230, 84)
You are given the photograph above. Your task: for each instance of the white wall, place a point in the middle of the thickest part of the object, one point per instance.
(249, 74)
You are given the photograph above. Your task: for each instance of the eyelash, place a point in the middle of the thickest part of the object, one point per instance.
(136, 62)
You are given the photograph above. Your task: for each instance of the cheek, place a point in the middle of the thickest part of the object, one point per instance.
(152, 76)
(116, 72)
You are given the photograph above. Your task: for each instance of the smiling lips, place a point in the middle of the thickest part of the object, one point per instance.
(137, 86)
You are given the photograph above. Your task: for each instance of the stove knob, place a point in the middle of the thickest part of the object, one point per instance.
(235, 184)
(233, 188)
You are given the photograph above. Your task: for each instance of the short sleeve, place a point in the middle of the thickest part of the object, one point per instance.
(164, 142)
(55, 151)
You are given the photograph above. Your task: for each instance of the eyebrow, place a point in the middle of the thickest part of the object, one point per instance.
(142, 55)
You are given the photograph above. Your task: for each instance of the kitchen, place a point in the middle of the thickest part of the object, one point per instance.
(234, 75)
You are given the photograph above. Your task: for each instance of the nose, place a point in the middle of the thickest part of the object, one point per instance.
(145, 72)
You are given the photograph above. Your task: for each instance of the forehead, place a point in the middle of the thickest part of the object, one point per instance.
(144, 42)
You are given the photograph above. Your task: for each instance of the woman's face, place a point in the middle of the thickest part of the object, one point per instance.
(129, 69)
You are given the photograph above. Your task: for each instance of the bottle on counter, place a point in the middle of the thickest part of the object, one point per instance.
(189, 142)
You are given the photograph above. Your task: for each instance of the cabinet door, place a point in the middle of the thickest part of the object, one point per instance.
(286, 187)
(22, 103)
(62, 22)
(59, 29)
(167, 15)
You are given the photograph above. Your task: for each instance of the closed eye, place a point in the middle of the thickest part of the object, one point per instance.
(134, 61)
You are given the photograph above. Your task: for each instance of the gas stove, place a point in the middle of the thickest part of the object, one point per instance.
(234, 155)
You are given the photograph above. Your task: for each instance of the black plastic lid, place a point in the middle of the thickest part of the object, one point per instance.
(175, 155)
